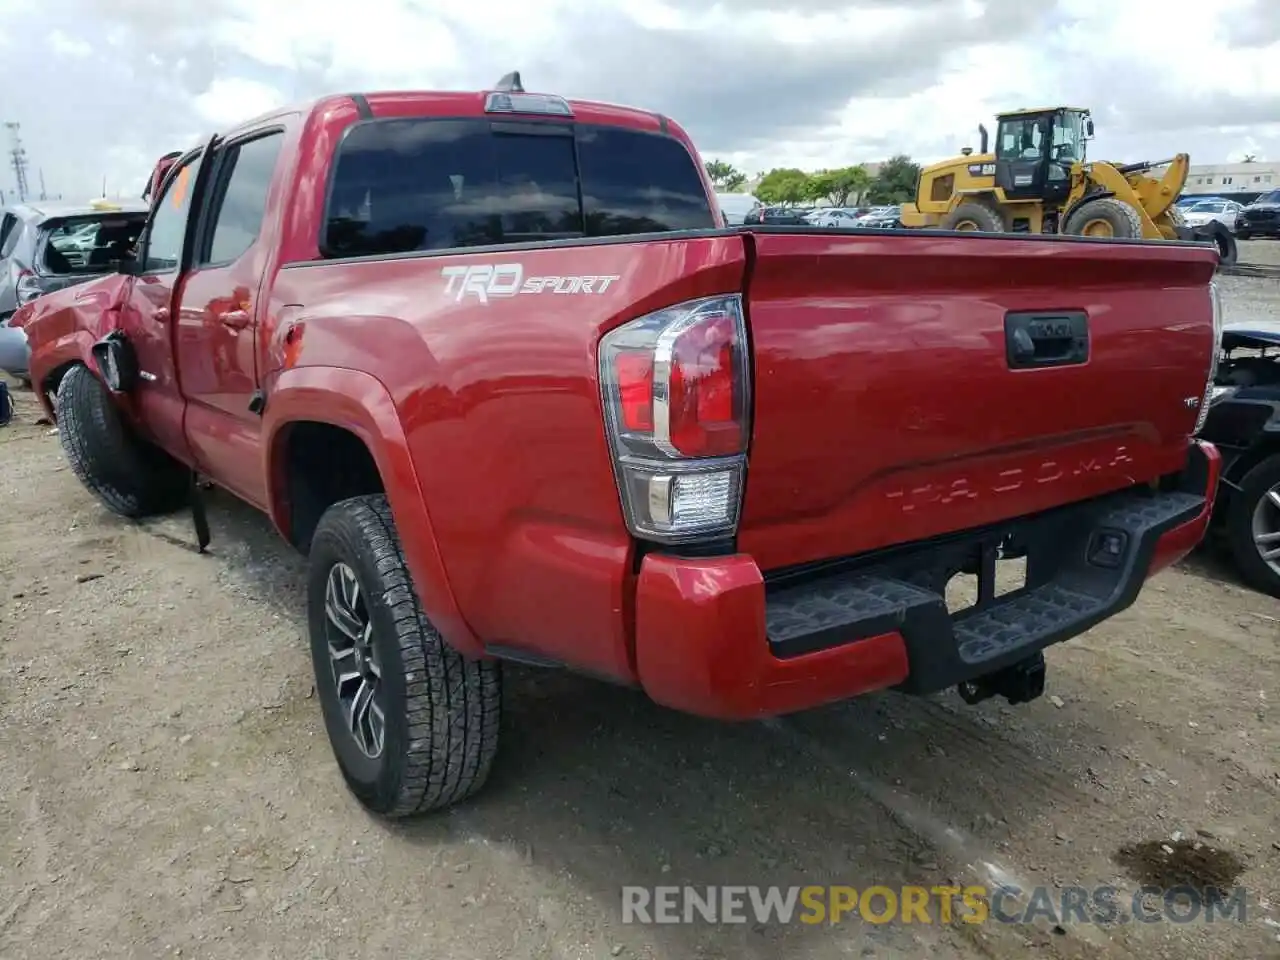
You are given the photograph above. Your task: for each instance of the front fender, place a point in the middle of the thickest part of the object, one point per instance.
(63, 326)
(360, 403)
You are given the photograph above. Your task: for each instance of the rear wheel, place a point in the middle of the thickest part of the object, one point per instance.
(1253, 526)
(1105, 218)
(412, 723)
(973, 217)
(132, 477)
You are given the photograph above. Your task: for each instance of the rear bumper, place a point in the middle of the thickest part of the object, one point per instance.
(714, 638)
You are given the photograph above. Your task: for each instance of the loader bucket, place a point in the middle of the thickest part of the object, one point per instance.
(1215, 233)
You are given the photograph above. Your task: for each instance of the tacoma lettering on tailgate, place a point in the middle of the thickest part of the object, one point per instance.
(1004, 481)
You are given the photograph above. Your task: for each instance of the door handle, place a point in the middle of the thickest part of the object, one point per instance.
(235, 319)
(160, 315)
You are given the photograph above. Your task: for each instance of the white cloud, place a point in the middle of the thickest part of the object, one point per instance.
(230, 100)
(66, 46)
(761, 83)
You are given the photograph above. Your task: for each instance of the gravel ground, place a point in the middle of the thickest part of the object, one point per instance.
(1260, 251)
(168, 790)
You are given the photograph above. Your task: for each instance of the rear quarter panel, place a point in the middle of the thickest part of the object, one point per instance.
(500, 403)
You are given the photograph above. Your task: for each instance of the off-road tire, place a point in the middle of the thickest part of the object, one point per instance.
(1239, 526)
(442, 711)
(979, 214)
(1123, 219)
(129, 475)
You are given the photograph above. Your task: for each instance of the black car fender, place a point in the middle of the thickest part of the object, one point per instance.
(1244, 425)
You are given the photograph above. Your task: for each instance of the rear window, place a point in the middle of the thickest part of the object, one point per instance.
(92, 244)
(413, 185)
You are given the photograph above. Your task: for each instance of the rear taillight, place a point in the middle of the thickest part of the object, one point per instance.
(676, 388)
(26, 285)
(1215, 297)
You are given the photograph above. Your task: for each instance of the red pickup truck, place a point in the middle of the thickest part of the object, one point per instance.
(493, 363)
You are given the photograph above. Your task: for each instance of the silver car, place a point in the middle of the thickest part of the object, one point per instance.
(1226, 212)
(48, 246)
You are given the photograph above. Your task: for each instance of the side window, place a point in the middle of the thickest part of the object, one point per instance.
(169, 223)
(8, 235)
(1020, 140)
(243, 182)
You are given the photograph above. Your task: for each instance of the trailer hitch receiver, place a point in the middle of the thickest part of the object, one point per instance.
(1021, 682)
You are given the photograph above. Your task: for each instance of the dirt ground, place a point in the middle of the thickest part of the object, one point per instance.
(166, 788)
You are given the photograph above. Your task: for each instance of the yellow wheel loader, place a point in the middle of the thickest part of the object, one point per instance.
(1037, 180)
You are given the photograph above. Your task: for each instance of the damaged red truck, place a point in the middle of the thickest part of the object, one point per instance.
(491, 362)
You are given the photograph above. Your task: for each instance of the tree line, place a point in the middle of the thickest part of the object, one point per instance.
(894, 182)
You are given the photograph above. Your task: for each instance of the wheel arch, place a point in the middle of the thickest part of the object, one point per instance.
(1265, 446)
(48, 367)
(327, 412)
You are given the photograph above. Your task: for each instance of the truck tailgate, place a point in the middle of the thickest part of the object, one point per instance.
(892, 405)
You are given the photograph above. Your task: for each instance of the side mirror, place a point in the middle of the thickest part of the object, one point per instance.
(1088, 128)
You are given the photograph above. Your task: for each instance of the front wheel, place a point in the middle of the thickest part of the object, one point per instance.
(1104, 218)
(412, 723)
(130, 476)
(1253, 526)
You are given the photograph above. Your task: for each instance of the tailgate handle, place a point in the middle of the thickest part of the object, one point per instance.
(1042, 339)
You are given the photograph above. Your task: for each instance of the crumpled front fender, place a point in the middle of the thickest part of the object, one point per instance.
(63, 326)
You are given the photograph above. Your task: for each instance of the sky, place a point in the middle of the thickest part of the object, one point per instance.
(102, 88)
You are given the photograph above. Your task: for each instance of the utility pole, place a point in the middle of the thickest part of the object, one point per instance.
(18, 159)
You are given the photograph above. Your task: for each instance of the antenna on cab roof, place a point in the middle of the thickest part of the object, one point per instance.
(510, 83)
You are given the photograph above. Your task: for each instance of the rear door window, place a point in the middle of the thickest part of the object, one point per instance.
(240, 198)
(420, 184)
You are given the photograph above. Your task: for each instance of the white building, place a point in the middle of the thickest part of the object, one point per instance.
(1239, 181)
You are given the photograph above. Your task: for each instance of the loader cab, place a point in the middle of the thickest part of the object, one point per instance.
(1036, 149)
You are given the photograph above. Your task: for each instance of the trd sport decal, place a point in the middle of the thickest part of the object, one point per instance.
(496, 281)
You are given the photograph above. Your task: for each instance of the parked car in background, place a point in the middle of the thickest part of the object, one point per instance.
(48, 246)
(777, 216)
(736, 206)
(1260, 218)
(1224, 212)
(884, 218)
(1244, 424)
(1191, 199)
(834, 217)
